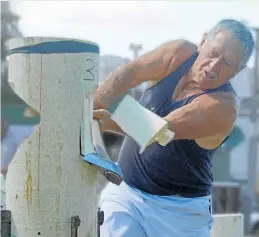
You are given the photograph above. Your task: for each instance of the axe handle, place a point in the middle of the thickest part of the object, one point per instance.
(98, 140)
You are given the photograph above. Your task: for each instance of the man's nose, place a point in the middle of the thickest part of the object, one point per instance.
(216, 63)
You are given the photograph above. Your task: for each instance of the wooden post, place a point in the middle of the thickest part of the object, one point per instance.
(226, 225)
(50, 189)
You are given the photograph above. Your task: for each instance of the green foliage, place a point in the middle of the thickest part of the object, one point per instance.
(236, 137)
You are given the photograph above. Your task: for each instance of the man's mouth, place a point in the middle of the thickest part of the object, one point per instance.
(210, 75)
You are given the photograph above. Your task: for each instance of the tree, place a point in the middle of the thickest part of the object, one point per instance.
(9, 29)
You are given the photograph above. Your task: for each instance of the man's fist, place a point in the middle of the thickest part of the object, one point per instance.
(105, 121)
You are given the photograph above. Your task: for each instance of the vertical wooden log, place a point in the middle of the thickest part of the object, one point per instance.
(49, 186)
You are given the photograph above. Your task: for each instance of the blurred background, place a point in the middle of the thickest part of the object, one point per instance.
(127, 29)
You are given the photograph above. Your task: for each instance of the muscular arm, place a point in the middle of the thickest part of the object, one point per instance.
(152, 66)
(208, 119)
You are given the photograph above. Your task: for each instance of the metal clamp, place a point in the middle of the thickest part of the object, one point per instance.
(6, 217)
(75, 223)
(106, 167)
(100, 220)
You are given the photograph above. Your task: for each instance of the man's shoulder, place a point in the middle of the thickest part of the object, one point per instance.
(180, 50)
(222, 111)
(230, 96)
(171, 55)
(179, 47)
(224, 102)
(155, 65)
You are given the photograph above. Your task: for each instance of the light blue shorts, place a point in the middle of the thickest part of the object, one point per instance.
(129, 212)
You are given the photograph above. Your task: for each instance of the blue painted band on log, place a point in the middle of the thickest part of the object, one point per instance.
(65, 46)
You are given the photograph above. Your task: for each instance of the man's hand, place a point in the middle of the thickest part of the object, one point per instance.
(105, 121)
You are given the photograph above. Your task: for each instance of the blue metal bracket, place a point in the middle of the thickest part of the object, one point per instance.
(106, 167)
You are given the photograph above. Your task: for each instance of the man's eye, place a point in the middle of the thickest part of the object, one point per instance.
(228, 63)
(210, 53)
(213, 53)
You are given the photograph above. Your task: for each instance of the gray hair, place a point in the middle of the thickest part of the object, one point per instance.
(240, 31)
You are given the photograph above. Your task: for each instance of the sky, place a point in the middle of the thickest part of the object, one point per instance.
(116, 24)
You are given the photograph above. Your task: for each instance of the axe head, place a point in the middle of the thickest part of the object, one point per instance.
(92, 145)
(106, 167)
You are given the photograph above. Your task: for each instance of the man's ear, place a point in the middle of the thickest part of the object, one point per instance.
(241, 68)
(202, 41)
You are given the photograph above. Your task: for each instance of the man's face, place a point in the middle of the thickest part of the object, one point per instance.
(219, 60)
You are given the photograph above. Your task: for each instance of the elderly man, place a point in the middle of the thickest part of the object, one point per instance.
(166, 190)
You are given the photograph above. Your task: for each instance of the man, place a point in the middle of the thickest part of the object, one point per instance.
(166, 190)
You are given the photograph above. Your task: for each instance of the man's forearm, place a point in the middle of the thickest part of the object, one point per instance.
(116, 84)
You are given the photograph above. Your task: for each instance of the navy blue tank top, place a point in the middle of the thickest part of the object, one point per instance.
(180, 168)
